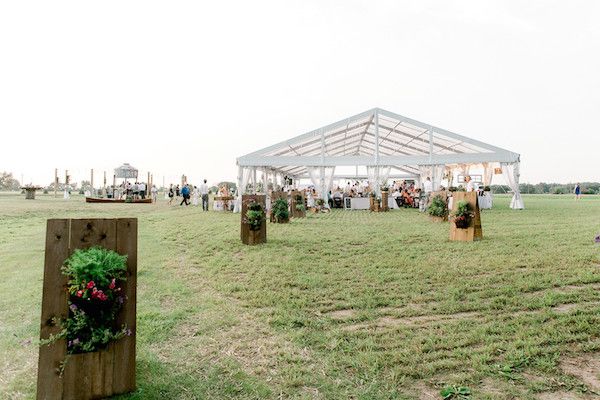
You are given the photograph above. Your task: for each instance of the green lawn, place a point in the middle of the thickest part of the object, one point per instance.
(344, 305)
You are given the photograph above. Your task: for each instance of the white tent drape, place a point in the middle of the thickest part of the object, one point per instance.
(438, 175)
(378, 175)
(243, 179)
(424, 173)
(488, 173)
(511, 173)
(322, 179)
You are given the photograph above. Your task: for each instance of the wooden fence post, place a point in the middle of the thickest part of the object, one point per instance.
(86, 375)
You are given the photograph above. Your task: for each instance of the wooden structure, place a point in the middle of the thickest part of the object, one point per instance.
(473, 231)
(276, 195)
(384, 201)
(249, 236)
(86, 375)
(30, 192)
(111, 200)
(373, 204)
(294, 213)
(225, 200)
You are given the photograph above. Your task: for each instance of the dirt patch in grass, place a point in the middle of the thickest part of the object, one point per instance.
(426, 393)
(585, 367)
(564, 308)
(341, 314)
(416, 321)
(561, 395)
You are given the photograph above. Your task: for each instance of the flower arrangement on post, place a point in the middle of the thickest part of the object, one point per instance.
(462, 215)
(95, 279)
(384, 187)
(438, 207)
(280, 211)
(299, 203)
(255, 216)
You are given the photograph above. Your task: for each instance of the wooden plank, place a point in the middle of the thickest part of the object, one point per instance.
(474, 231)
(86, 233)
(124, 354)
(88, 375)
(54, 304)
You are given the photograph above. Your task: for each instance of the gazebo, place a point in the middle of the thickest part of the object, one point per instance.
(389, 145)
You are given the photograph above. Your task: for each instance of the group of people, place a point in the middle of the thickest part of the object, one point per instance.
(189, 192)
(133, 190)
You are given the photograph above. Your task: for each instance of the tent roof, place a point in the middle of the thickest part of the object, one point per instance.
(375, 137)
(126, 171)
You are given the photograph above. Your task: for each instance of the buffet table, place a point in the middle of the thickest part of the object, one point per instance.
(363, 203)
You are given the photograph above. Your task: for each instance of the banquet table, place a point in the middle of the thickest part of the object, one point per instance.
(221, 203)
(364, 203)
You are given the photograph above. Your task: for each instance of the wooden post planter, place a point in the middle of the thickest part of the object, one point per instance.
(249, 236)
(444, 196)
(384, 201)
(474, 230)
(274, 197)
(30, 192)
(101, 373)
(373, 204)
(293, 211)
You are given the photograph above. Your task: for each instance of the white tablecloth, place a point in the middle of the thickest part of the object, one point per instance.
(485, 201)
(364, 203)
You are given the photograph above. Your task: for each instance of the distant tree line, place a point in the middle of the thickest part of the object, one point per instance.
(550, 188)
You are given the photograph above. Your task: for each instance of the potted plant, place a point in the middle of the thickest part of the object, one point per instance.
(438, 209)
(280, 211)
(299, 203)
(384, 188)
(255, 216)
(462, 215)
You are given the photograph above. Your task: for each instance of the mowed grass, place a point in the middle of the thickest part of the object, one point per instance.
(349, 304)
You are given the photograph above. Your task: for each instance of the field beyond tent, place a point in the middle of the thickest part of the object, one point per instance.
(349, 304)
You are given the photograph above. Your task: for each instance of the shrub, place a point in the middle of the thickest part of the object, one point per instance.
(280, 210)
(438, 207)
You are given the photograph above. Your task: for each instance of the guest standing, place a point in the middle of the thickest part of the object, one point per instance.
(185, 193)
(204, 193)
(577, 192)
(195, 195)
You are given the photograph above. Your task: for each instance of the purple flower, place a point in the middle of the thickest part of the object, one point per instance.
(127, 332)
(69, 343)
(120, 299)
(75, 341)
(73, 307)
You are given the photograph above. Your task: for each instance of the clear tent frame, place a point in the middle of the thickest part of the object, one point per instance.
(389, 145)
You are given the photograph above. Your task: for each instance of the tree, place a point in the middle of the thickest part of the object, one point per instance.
(7, 182)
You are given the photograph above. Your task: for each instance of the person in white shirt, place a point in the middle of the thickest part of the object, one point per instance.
(142, 190)
(203, 189)
(471, 186)
(427, 186)
(154, 192)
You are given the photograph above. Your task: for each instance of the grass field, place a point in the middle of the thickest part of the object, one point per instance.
(345, 305)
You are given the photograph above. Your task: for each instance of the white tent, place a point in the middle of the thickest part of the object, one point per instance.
(387, 144)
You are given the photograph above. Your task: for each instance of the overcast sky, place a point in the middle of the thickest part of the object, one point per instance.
(186, 87)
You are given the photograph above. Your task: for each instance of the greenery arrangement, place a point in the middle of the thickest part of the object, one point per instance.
(462, 215)
(280, 210)
(95, 276)
(255, 216)
(320, 202)
(438, 207)
(299, 203)
(384, 188)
